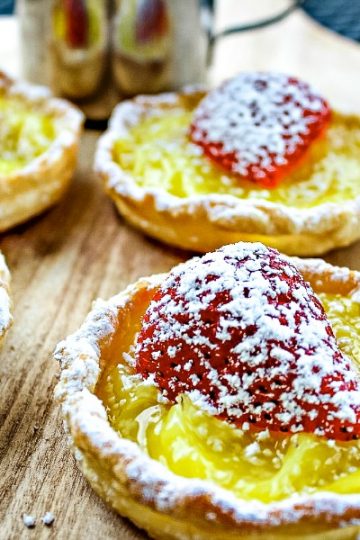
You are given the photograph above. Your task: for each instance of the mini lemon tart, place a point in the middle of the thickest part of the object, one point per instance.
(222, 400)
(38, 147)
(261, 158)
(5, 302)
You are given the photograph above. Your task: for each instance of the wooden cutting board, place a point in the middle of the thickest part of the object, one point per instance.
(80, 250)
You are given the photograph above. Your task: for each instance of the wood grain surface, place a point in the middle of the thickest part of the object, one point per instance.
(80, 250)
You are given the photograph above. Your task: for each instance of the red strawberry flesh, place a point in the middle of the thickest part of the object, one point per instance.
(242, 333)
(259, 125)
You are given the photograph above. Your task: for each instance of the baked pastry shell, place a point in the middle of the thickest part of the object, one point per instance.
(28, 191)
(205, 222)
(5, 301)
(166, 505)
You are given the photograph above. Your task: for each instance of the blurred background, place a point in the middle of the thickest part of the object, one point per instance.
(342, 16)
(96, 52)
(6, 7)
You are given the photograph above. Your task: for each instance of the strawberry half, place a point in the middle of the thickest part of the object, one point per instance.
(242, 333)
(259, 125)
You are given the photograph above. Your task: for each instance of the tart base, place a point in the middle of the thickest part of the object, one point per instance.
(27, 192)
(191, 229)
(168, 506)
(203, 223)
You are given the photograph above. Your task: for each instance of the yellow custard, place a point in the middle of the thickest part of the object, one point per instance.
(158, 154)
(260, 466)
(24, 134)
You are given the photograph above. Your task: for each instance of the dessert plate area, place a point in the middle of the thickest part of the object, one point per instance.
(81, 250)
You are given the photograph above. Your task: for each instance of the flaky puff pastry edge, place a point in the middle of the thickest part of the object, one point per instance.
(166, 505)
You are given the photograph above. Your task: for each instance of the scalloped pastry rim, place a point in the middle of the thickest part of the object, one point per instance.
(147, 482)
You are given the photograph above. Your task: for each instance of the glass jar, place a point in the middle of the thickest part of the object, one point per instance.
(78, 46)
(97, 51)
(157, 45)
(65, 45)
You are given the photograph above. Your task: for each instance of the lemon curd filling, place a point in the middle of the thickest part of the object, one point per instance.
(261, 465)
(24, 134)
(158, 154)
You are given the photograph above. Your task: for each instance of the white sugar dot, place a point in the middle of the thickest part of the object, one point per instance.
(29, 521)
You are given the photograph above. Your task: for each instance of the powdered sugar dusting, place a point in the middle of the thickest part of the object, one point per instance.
(258, 122)
(279, 363)
(140, 478)
(319, 228)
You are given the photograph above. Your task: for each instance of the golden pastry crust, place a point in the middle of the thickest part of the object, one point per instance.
(168, 506)
(5, 302)
(28, 191)
(205, 222)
